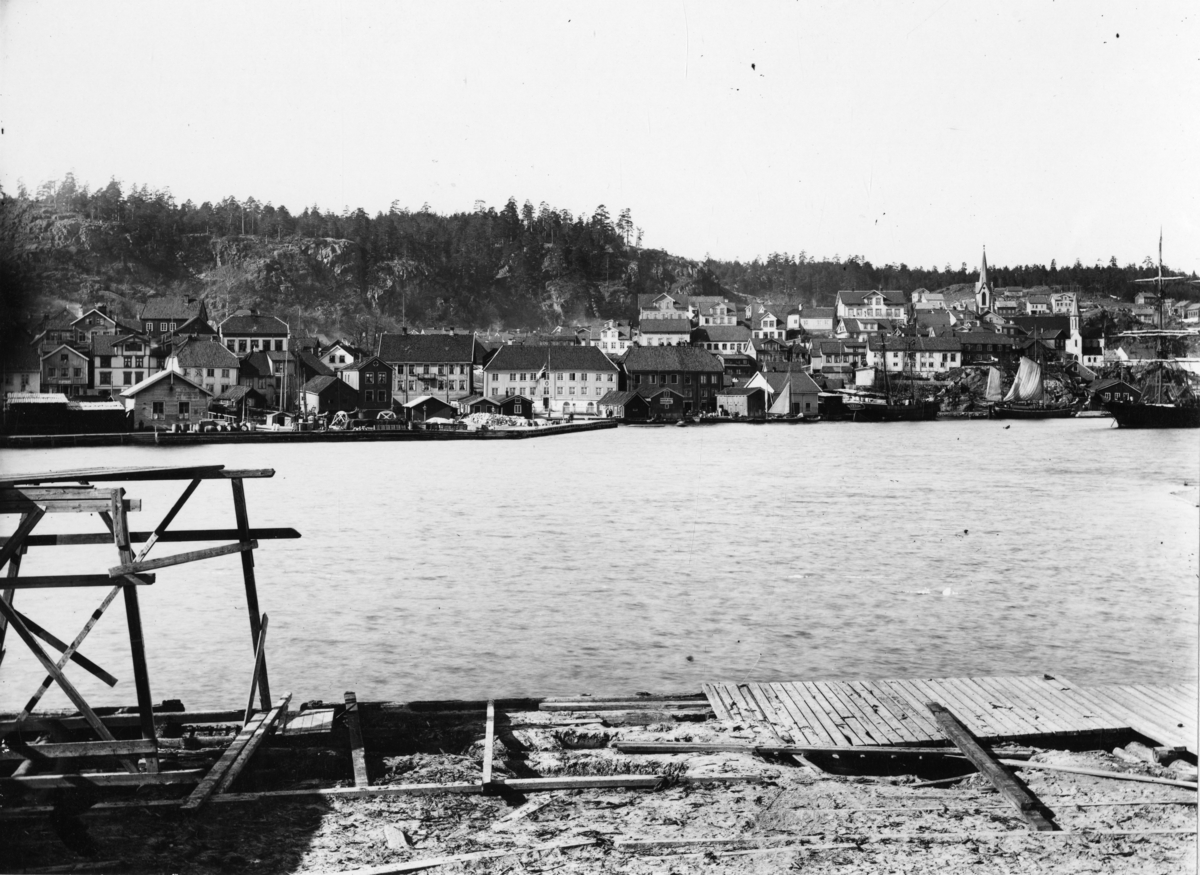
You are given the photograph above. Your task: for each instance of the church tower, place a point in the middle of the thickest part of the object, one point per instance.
(1075, 341)
(983, 289)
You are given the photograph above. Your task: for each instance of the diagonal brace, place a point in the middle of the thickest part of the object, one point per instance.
(69, 651)
(167, 520)
(13, 544)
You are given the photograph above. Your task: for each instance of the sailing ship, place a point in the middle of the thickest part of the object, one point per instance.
(1027, 398)
(1175, 405)
(893, 407)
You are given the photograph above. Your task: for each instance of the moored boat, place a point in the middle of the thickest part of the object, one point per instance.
(1026, 399)
(1138, 415)
(916, 411)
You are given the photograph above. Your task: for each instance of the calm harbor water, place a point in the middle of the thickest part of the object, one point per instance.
(658, 558)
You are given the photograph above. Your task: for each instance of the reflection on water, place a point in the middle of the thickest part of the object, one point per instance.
(601, 562)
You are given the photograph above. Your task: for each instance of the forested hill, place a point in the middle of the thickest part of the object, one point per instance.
(354, 274)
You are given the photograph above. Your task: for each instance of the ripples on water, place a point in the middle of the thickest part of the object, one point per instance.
(600, 562)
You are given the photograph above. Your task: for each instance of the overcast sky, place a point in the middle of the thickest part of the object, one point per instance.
(899, 131)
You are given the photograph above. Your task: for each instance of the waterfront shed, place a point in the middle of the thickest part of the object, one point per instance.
(324, 394)
(426, 407)
(166, 399)
(745, 402)
(629, 406)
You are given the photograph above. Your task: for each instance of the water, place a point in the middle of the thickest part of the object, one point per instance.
(601, 562)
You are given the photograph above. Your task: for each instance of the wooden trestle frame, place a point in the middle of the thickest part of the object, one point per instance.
(35, 495)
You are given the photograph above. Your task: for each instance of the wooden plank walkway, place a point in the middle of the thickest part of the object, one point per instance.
(893, 712)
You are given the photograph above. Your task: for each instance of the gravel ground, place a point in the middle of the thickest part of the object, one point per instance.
(795, 818)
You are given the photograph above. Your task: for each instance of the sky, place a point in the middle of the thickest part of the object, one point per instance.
(913, 132)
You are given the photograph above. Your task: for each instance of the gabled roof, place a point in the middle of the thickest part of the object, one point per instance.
(92, 310)
(654, 391)
(915, 344)
(818, 313)
(174, 308)
(739, 391)
(238, 392)
(195, 325)
(427, 348)
(257, 363)
(665, 326)
(722, 334)
(984, 337)
(20, 357)
(672, 358)
(321, 382)
(855, 298)
(67, 347)
(553, 358)
(363, 362)
(423, 399)
(616, 398)
(103, 344)
(800, 381)
(646, 300)
(157, 377)
(204, 354)
(254, 325)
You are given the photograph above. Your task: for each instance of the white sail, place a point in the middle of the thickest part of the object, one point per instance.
(1028, 384)
(994, 391)
(783, 404)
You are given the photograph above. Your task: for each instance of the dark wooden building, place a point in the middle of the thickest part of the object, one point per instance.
(695, 374)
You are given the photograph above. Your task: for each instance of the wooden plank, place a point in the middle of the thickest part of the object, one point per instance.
(1161, 712)
(1174, 702)
(398, 868)
(807, 733)
(357, 753)
(315, 722)
(85, 539)
(619, 705)
(1101, 773)
(243, 526)
(779, 724)
(747, 714)
(102, 779)
(883, 711)
(98, 475)
(208, 786)
(180, 558)
(71, 654)
(633, 782)
(260, 652)
(1131, 717)
(1081, 703)
(966, 711)
(56, 581)
(804, 700)
(714, 702)
(44, 722)
(790, 718)
(13, 502)
(918, 723)
(722, 691)
(1074, 711)
(167, 520)
(837, 712)
(81, 750)
(674, 747)
(991, 707)
(1001, 777)
(13, 545)
(1035, 709)
(260, 732)
(489, 743)
(878, 729)
(1056, 717)
(1021, 717)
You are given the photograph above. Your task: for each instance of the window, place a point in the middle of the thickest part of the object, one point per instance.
(517, 407)
(572, 390)
(572, 377)
(558, 390)
(162, 326)
(583, 377)
(224, 373)
(674, 378)
(50, 372)
(185, 408)
(241, 346)
(63, 357)
(599, 391)
(140, 375)
(370, 377)
(279, 346)
(441, 370)
(78, 372)
(412, 386)
(230, 344)
(156, 410)
(425, 369)
(211, 372)
(105, 378)
(495, 392)
(495, 377)
(370, 396)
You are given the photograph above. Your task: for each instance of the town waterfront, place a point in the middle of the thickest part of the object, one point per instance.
(658, 558)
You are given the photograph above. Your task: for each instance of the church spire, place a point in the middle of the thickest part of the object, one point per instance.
(983, 269)
(983, 288)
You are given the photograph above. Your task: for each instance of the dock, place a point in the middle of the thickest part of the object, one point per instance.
(1042, 708)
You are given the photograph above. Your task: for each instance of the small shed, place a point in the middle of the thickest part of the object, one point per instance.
(35, 413)
(239, 402)
(96, 416)
(1107, 391)
(426, 407)
(515, 405)
(661, 402)
(629, 406)
(747, 403)
(165, 400)
(323, 395)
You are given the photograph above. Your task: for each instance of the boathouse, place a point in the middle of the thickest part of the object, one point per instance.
(426, 407)
(325, 394)
(747, 402)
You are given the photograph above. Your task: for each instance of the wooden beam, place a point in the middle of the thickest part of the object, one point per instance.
(53, 581)
(357, 752)
(98, 475)
(7, 593)
(1002, 778)
(433, 862)
(626, 705)
(256, 738)
(102, 779)
(59, 501)
(260, 652)
(489, 743)
(44, 722)
(180, 559)
(66, 649)
(62, 661)
(243, 527)
(208, 786)
(1101, 773)
(87, 539)
(13, 546)
(81, 749)
(133, 620)
(167, 520)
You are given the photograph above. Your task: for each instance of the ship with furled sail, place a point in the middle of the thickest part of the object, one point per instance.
(1027, 397)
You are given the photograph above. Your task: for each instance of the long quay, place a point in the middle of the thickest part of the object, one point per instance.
(164, 439)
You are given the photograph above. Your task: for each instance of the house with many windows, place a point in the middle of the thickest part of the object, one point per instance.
(614, 338)
(163, 316)
(696, 374)
(816, 320)
(244, 333)
(372, 378)
(442, 365)
(724, 339)
(121, 360)
(65, 370)
(561, 380)
(665, 332)
(925, 356)
(20, 369)
(878, 304)
(338, 354)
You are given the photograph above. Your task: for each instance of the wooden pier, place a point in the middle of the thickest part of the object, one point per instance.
(1044, 708)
